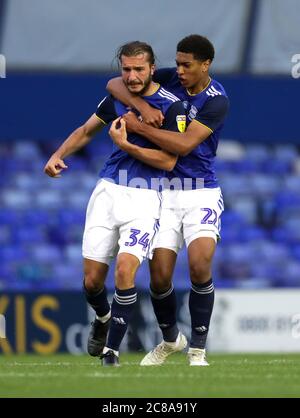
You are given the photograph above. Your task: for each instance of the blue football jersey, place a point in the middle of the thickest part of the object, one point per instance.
(119, 161)
(209, 107)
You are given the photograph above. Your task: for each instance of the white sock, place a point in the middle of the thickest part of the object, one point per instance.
(106, 349)
(104, 318)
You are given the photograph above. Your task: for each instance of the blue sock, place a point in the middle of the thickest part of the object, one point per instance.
(98, 301)
(121, 310)
(201, 304)
(164, 305)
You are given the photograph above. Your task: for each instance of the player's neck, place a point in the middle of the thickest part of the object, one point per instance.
(153, 87)
(200, 86)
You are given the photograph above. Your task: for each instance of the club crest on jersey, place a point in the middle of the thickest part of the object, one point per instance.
(193, 112)
(181, 123)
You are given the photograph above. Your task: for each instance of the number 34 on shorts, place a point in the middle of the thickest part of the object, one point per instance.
(137, 238)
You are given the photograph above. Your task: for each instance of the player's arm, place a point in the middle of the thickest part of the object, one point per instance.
(150, 115)
(180, 143)
(210, 117)
(77, 140)
(156, 158)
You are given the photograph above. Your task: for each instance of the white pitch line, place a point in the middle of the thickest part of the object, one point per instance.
(58, 364)
(97, 375)
(31, 375)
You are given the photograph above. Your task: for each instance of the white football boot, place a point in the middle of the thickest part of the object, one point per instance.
(158, 355)
(196, 357)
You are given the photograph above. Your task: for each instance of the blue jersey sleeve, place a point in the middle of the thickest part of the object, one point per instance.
(106, 110)
(164, 75)
(213, 112)
(175, 118)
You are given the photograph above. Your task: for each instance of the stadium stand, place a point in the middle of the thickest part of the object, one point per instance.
(42, 219)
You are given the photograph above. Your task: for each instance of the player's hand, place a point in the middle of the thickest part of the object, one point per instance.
(152, 116)
(55, 166)
(132, 122)
(118, 132)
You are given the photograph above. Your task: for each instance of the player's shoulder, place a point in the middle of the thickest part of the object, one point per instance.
(167, 101)
(172, 104)
(106, 101)
(215, 88)
(165, 75)
(167, 95)
(217, 100)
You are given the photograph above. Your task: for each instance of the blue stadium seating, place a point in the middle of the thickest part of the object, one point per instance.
(42, 219)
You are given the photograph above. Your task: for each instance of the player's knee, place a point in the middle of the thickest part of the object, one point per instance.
(160, 286)
(161, 278)
(200, 271)
(124, 275)
(92, 281)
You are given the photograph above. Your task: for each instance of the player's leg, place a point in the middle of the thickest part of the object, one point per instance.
(162, 266)
(96, 296)
(201, 227)
(201, 299)
(163, 300)
(136, 239)
(94, 278)
(99, 246)
(162, 292)
(122, 307)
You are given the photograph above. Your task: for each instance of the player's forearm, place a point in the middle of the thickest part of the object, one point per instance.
(77, 140)
(155, 158)
(174, 142)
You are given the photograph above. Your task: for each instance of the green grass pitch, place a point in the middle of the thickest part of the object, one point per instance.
(83, 376)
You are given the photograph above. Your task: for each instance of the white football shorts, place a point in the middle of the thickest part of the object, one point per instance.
(189, 214)
(121, 219)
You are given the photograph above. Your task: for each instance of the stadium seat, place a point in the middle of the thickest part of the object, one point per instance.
(287, 152)
(30, 235)
(291, 183)
(258, 152)
(77, 200)
(5, 234)
(234, 185)
(9, 216)
(278, 167)
(247, 207)
(12, 253)
(27, 150)
(17, 199)
(49, 199)
(46, 253)
(37, 217)
(265, 185)
(87, 181)
(26, 181)
(230, 151)
(73, 253)
(71, 216)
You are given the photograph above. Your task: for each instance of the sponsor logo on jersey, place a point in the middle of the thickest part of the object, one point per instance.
(181, 123)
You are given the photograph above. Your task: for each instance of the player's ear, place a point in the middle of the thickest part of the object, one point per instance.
(152, 69)
(206, 64)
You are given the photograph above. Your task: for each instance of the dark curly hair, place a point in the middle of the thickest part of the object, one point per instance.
(198, 45)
